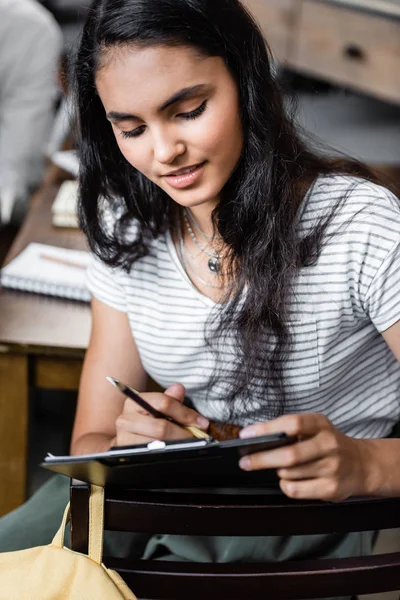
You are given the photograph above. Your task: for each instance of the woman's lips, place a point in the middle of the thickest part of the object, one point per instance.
(183, 181)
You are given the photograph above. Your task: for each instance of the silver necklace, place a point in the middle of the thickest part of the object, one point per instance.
(193, 259)
(214, 261)
(181, 249)
(197, 226)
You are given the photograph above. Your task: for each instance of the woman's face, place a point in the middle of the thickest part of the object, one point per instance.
(176, 118)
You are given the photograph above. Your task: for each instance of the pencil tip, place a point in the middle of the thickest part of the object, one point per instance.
(112, 380)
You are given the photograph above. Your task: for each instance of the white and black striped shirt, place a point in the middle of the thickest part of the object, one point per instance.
(339, 364)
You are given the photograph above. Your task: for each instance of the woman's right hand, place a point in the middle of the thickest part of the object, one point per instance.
(136, 426)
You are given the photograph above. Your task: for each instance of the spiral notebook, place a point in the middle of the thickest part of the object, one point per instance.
(50, 270)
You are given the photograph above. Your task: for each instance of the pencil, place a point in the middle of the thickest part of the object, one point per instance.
(134, 395)
(62, 261)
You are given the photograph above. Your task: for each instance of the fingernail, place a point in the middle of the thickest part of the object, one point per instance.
(204, 423)
(245, 464)
(249, 432)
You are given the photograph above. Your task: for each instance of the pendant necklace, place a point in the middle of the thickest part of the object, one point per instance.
(181, 249)
(214, 261)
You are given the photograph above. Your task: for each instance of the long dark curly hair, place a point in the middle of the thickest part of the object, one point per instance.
(257, 211)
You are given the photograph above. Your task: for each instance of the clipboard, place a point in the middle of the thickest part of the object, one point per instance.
(188, 463)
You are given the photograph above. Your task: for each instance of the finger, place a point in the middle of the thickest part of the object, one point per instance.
(131, 409)
(149, 427)
(302, 425)
(322, 488)
(173, 408)
(168, 406)
(126, 438)
(317, 468)
(177, 391)
(299, 453)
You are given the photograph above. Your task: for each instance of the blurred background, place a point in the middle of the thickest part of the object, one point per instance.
(339, 60)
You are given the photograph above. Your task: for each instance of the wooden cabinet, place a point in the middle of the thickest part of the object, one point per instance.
(277, 20)
(350, 47)
(338, 41)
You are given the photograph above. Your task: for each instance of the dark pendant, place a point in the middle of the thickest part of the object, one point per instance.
(214, 265)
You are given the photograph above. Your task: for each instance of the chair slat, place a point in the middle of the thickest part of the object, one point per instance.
(292, 580)
(226, 515)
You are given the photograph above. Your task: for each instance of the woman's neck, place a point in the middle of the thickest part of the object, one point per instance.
(201, 215)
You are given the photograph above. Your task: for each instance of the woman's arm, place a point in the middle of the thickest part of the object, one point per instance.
(111, 352)
(104, 417)
(392, 338)
(326, 464)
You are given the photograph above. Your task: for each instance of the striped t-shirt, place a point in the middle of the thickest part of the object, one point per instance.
(339, 364)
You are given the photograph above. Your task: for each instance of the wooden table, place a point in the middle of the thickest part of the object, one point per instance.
(42, 344)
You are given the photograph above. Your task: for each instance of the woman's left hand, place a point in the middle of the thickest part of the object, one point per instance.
(324, 464)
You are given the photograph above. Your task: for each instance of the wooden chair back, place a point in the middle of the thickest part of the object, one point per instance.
(243, 515)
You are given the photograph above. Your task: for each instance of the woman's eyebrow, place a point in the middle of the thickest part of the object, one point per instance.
(177, 97)
(181, 95)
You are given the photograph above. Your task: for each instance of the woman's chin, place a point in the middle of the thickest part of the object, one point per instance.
(195, 198)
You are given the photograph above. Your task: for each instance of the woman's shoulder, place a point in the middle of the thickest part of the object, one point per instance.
(353, 198)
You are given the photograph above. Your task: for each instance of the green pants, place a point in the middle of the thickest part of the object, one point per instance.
(35, 523)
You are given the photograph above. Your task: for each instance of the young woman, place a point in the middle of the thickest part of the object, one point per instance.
(233, 265)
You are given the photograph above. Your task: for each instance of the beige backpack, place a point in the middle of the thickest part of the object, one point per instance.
(54, 572)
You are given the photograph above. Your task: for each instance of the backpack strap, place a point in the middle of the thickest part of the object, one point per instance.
(58, 539)
(96, 524)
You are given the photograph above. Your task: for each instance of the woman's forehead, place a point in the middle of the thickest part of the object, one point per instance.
(153, 74)
(156, 59)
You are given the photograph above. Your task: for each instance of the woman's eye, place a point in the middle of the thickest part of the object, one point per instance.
(194, 113)
(187, 115)
(134, 133)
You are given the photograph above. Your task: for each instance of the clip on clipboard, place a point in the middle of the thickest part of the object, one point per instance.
(187, 463)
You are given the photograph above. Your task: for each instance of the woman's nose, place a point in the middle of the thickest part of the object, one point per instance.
(167, 148)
